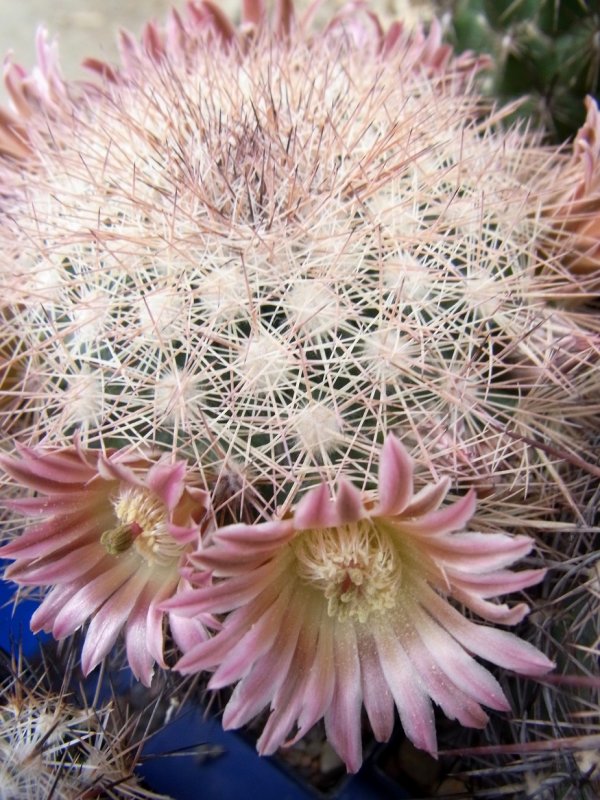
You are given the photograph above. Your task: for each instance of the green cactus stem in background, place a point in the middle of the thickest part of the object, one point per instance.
(544, 51)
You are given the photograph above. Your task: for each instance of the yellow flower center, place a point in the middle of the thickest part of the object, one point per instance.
(355, 567)
(142, 524)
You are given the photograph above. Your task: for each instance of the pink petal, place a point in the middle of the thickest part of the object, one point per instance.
(491, 584)
(282, 716)
(438, 523)
(152, 42)
(67, 502)
(212, 652)
(255, 691)
(128, 50)
(395, 478)
(210, 13)
(283, 17)
(144, 636)
(50, 536)
(43, 617)
(90, 596)
(111, 470)
(55, 471)
(251, 536)
(412, 702)
(228, 594)
(167, 482)
(175, 33)
(106, 624)
(500, 647)
(253, 11)
(25, 474)
(441, 688)
(185, 535)
(234, 559)
(342, 718)
(450, 657)
(290, 697)
(320, 681)
(267, 675)
(348, 503)
(315, 510)
(187, 633)
(378, 699)
(428, 499)
(63, 569)
(479, 551)
(255, 642)
(499, 613)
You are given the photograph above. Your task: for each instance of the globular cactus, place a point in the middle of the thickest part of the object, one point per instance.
(268, 280)
(266, 251)
(545, 51)
(55, 743)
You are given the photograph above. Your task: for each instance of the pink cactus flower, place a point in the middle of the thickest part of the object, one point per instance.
(114, 531)
(345, 603)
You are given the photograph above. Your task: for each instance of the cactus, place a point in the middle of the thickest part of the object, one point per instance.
(546, 51)
(55, 743)
(269, 298)
(263, 250)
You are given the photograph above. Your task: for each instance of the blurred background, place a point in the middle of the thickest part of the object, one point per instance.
(88, 27)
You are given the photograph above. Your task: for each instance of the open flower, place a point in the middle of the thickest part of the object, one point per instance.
(345, 604)
(114, 531)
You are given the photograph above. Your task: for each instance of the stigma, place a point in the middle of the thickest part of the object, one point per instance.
(141, 526)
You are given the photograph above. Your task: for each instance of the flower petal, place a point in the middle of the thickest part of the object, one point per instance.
(89, 597)
(50, 536)
(254, 643)
(214, 651)
(144, 633)
(450, 658)
(479, 551)
(348, 503)
(395, 478)
(167, 482)
(428, 499)
(440, 686)
(320, 681)
(438, 523)
(490, 584)
(315, 509)
(500, 647)
(289, 699)
(377, 697)
(47, 471)
(62, 569)
(342, 718)
(412, 702)
(268, 673)
(107, 622)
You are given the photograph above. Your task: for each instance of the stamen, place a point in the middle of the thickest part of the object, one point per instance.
(355, 566)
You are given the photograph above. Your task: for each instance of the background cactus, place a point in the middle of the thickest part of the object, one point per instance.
(545, 50)
(57, 742)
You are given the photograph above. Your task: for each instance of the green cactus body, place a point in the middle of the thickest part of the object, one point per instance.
(544, 51)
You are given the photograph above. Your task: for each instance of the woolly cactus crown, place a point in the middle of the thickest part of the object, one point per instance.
(267, 248)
